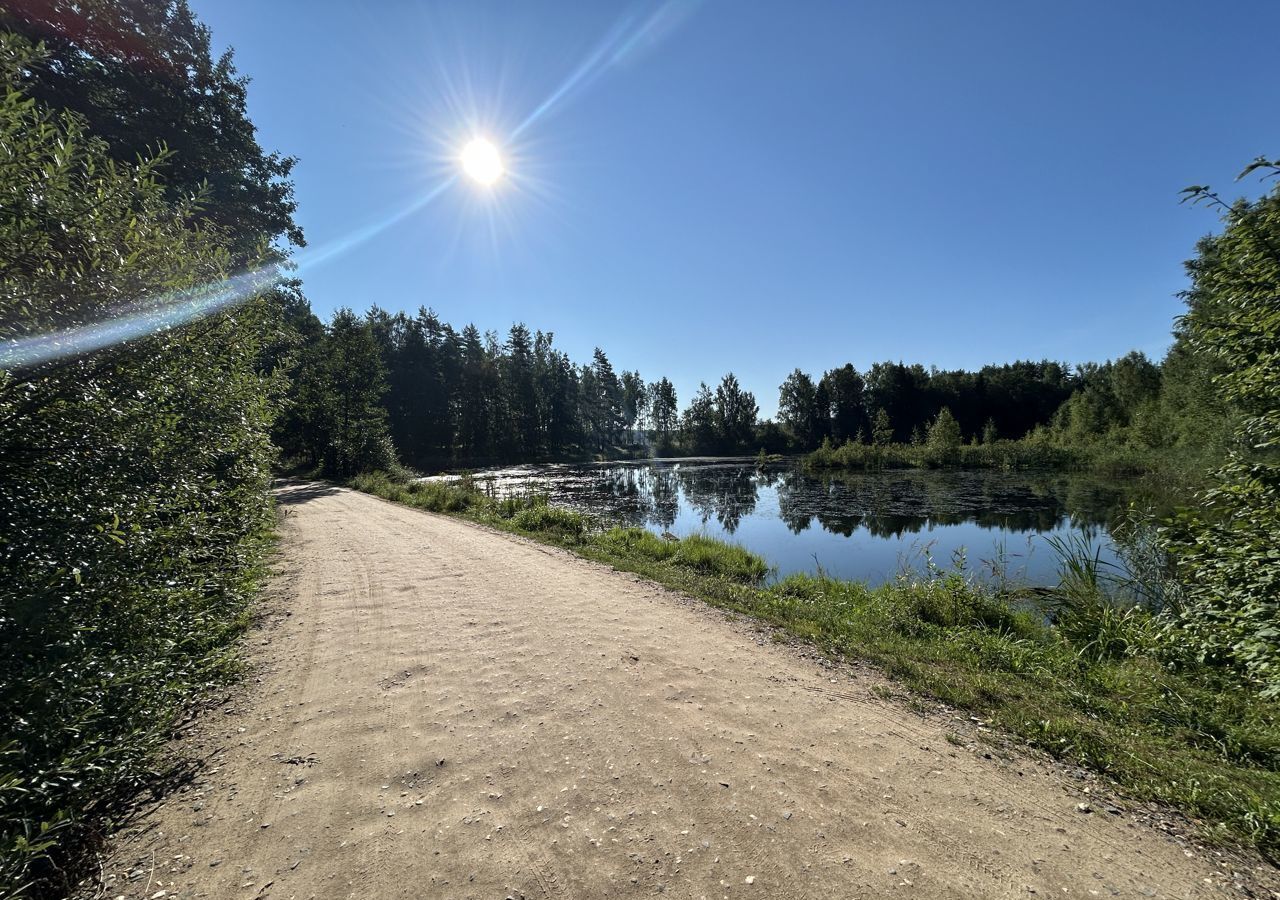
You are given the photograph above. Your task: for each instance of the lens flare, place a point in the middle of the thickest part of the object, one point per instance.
(138, 320)
(480, 160)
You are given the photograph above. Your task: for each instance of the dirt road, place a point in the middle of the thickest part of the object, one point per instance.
(445, 711)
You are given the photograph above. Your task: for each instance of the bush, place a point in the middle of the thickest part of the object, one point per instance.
(134, 481)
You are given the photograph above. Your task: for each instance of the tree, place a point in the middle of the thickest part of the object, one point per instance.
(520, 393)
(845, 388)
(602, 398)
(1135, 382)
(556, 381)
(735, 415)
(635, 400)
(881, 429)
(1225, 551)
(698, 423)
(300, 430)
(474, 396)
(799, 411)
(902, 392)
(944, 437)
(664, 410)
(355, 383)
(141, 76)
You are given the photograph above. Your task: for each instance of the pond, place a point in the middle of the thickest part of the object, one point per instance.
(866, 526)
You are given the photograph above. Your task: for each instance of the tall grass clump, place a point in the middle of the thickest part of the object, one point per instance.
(542, 517)
(637, 542)
(712, 557)
(1094, 608)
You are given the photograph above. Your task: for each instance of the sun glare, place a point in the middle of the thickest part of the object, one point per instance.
(482, 162)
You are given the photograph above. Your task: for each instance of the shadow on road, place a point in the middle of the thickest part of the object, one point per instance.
(291, 493)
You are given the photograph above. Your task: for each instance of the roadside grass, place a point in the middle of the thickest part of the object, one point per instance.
(1106, 688)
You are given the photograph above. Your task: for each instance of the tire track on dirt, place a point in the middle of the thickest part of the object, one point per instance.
(479, 713)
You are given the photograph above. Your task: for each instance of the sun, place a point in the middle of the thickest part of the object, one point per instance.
(482, 162)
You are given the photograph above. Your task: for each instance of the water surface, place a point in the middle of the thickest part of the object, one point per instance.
(865, 525)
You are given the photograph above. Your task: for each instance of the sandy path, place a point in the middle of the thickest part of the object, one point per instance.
(450, 712)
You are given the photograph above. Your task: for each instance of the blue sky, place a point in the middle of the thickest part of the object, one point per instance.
(755, 186)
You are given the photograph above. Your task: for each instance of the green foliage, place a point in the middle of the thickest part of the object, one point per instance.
(134, 502)
(664, 411)
(720, 421)
(989, 432)
(556, 519)
(713, 557)
(1025, 454)
(1091, 611)
(141, 76)
(943, 440)
(799, 410)
(842, 398)
(734, 415)
(336, 418)
(882, 429)
(698, 422)
(1226, 551)
(637, 542)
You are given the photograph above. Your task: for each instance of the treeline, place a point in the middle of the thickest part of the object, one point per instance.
(370, 390)
(898, 403)
(1131, 401)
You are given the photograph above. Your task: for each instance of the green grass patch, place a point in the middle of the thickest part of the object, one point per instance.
(542, 518)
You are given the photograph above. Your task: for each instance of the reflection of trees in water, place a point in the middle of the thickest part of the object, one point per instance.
(664, 495)
(894, 504)
(793, 508)
(889, 504)
(725, 493)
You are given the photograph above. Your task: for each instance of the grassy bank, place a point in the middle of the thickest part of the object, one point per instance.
(1106, 688)
(1098, 458)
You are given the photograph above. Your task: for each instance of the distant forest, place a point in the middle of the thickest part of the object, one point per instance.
(371, 389)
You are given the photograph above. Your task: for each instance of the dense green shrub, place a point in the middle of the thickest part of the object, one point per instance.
(1228, 550)
(1022, 454)
(134, 480)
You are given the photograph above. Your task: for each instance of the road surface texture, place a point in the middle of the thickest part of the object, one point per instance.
(447, 711)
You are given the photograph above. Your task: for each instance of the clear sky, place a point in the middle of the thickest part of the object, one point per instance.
(752, 186)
